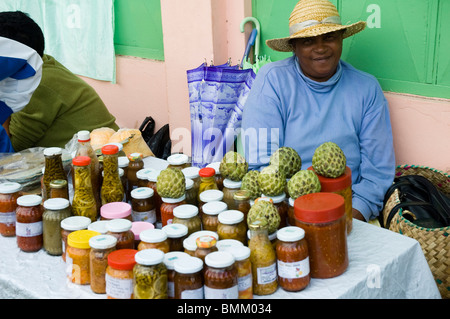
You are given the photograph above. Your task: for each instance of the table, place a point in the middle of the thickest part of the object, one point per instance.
(382, 264)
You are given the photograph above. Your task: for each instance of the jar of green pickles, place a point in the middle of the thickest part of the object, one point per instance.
(83, 203)
(150, 275)
(54, 169)
(55, 210)
(112, 189)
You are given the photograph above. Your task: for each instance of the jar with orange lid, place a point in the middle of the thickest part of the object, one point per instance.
(217, 176)
(169, 261)
(101, 247)
(322, 216)
(119, 274)
(59, 189)
(241, 255)
(55, 210)
(282, 207)
(229, 189)
(221, 276)
(135, 164)
(176, 233)
(242, 201)
(83, 202)
(207, 181)
(9, 193)
(210, 216)
(187, 214)
(112, 188)
(205, 245)
(149, 275)
(116, 210)
(78, 255)
(341, 185)
(232, 226)
(178, 160)
(188, 279)
(69, 225)
(292, 259)
(29, 231)
(191, 193)
(154, 238)
(121, 229)
(143, 205)
(167, 207)
(207, 196)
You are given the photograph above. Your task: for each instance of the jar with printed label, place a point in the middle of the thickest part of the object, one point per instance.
(191, 194)
(116, 210)
(210, 216)
(29, 223)
(176, 233)
(137, 228)
(143, 205)
(54, 169)
(55, 210)
(154, 238)
(241, 255)
(150, 275)
(169, 261)
(121, 229)
(207, 196)
(322, 216)
(167, 207)
(188, 279)
(178, 161)
(217, 176)
(112, 189)
(101, 247)
(59, 189)
(263, 259)
(232, 226)
(292, 259)
(78, 255)
(69, 225)
(229, 189)
(83, 202)
(119, 274)
(187, 215)
(9, 193)
(221, 276)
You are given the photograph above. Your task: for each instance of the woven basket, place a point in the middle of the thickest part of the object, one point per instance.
(435, 242)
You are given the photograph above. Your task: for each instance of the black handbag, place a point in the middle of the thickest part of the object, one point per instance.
(426, 205)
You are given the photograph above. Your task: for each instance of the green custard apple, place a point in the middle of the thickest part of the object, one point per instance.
(264, 210)
(302, 183)
(287, 159)
(329, 160)
(171, 183)
(250, 183)
(272, 181)
(233, 166)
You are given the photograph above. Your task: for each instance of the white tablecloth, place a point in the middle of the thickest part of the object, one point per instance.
(382, 264)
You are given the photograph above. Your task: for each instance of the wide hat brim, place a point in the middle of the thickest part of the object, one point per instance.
(284, 45)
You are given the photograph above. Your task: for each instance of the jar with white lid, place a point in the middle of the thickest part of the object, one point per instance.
(209, 195)
(150, 275)
(232, 226)
(121, 229)
(221, 276)
(282, 206)
(191, 193)
(9, 192)
(291, 213)
(211, 211)
(229, 189)
(99, 226)
(55, 210)
(192, 173)
(178, 161)
(29, 223)
(188, 279)
(187, 214)
(71, 224)
(241, 255)
(176, 233)
(101, 247)
(169, 261)
(167, 207)
(142, 176)
(228, 244)
(154, 238)
(190, 245)
(143, 205)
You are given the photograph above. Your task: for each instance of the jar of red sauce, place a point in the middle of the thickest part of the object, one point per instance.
(322, 216)
(121, 229)
(221, 276)
(29, 230)
(167, 206)
(9, 192)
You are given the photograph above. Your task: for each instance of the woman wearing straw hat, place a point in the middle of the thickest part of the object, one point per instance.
(314, 97)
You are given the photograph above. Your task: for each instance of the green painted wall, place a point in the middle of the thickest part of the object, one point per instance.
(405, 44)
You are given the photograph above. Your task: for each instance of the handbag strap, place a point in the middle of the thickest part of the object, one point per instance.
(403, 205)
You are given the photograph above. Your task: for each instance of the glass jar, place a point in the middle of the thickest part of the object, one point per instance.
(101, 247)
(292, 259)
(229, 189)
(83, 202)
(291, 215)
(167, 207)
(119, 274)
(187, 215)
(137, 228)
(191, 194)
(242, 201)
(9, 193)
(232, 226)
(341, 185)
(228, 244)
(112, 189)
(154, 238)
(188, 279)
(78, 255)
(190, 245)
(142, 176)
(152, 178)
(192, 173)
(241, 255)
(207, 181)
(99, 226)
(54, 169)
(263, 259)
(221, 276)
(115, 210)
(176, 234)
(150, 275)
(123, 162)
(29, 223)
(69, 225)
(169, 261)
(135, 164)
(282, 206)
(178, 161)
(322, 216)
(217, 176)
(55, 210)
(210, 216)
(209, 196)
(205, 245)
(59, 189)
(121, 229)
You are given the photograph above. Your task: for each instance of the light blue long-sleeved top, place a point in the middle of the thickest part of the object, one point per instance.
(286, 108)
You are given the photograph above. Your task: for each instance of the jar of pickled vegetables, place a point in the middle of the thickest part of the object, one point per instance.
(217, 176)
(282, 206)
(78, 255)
(207, 196)
(229, 189)
(232, 226)
(83, 203)
(242, 201)
(154, 238)
(207, 181)
(221, 276)
(101, 247)
(143, 205)
(112, 189)
(169, 261)
(188, 279)
(341, 185)
(167, 207)
(55, 210)
(178, 161)
(176, 233)
(150, 275)
(54, 169)
(187, 214)
(29, 223)
(241, 255)
(210, 216)
(116, 210)
(322, 216)
(9, 193)
(292, 259)
(191, 193)
(69, 225)
(59, 189)
(119, 274)
(205, 245)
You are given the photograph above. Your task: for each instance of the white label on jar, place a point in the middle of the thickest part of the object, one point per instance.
(227, 293)
(149, 216)
(118, 288)
(193, 294)
(29, 229)
(245, 282)
(266, 275)
(170, 289)
(297, 269)
(8, 218)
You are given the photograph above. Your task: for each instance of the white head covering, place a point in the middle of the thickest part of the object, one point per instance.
(20, 75)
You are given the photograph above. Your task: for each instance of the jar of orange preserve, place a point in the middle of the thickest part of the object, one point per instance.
(9, 192)
(119, 274)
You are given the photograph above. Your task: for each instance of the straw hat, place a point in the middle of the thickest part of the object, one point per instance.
(311, 18)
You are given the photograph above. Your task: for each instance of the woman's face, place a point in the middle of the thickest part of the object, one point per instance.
(319, 56)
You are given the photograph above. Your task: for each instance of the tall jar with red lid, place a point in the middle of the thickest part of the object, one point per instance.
(9, 192)
(112, 188)
(322, 216)
(83, 203)
(207, 180)
(119, 274)
(341, 185)
(29, 227)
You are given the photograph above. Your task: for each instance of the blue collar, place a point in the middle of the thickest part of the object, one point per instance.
(321, 87)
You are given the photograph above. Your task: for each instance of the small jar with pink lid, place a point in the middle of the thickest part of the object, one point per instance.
(116, 210)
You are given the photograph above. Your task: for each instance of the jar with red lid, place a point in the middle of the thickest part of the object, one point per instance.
(135, 164)
(341, 185)
(207, 181)
(217, 176)
(9, 193)
(292, 259)
(282, 207)
(322, 216)
(116, 210)
(121, 229)
(229, 189)
(221, 276)
(29, 228)
(119, 274)
(112, 188)
(167, 207)
(83, 203)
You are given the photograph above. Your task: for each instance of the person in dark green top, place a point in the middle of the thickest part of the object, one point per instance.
(63, 103)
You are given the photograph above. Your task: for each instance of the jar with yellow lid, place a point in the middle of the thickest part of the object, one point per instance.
(232, 226)
(119, 274)
(210, 216)
(78, 256)
(176, 234)
(101, 247)
(154, 238)
(229, 189)
(149, 275)
(187, 214)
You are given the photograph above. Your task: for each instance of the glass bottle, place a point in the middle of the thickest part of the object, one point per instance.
(54, 169)
(229, 189)
(207, 180)
(55, 210)
(59, 189)
(29, 223)
(83, 203)
(101, 247)
(112, 189)
(221, 276)
(9, 192)
(135, 164)
(150, 275)
(188, 279)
